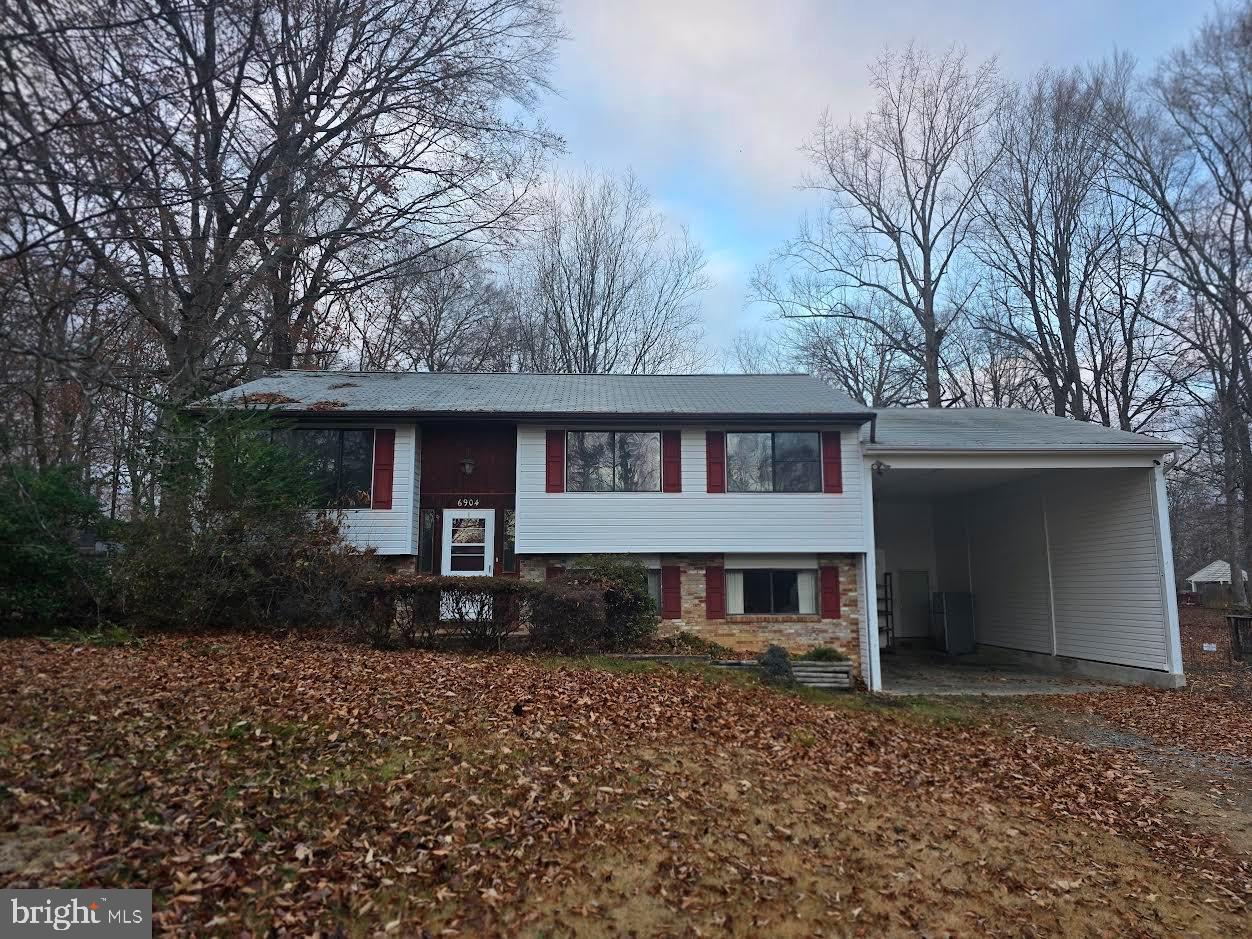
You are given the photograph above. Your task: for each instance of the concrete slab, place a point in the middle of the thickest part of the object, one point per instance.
(921, 672)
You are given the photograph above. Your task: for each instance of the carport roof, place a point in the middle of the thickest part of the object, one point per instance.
(1001, 430)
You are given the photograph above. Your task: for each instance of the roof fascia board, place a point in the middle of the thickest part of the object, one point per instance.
(1015, 459)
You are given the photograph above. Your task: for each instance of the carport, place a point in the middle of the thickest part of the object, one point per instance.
(1022, 542)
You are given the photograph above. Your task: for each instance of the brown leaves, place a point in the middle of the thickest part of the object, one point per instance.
(302, 785)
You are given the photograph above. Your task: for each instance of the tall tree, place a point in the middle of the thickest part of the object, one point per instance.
(1043, 237)
(1183, 145)
(901, 185)
(444, 312)
(606, 284)
(225, 160)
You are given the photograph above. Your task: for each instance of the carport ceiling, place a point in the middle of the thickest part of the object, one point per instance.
(932, 482)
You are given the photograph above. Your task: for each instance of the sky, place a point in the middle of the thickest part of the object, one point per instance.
(709, 101)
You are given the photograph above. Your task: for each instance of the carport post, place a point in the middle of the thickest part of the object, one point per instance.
(1169, 595)
(869, 587)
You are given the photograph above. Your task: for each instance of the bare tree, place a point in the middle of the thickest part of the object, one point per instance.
(1042, 237)
(857, 358)
(605, 284)
(901, 185)
(983, 370)
(1183, 146)
(443, 312)
(240, 153)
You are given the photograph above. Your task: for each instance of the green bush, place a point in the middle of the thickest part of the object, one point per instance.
(43, 578)
(239, 540)
(823, 654)
(775, 665)
(568, 616)
(630, 614)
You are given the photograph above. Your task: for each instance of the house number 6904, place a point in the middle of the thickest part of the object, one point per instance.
(467, 503)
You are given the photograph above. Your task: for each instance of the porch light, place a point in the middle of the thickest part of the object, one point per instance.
(467, 466)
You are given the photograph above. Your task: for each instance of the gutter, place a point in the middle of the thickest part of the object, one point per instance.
(1144, 449)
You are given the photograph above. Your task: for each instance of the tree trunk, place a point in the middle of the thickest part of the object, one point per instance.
(1236, 515)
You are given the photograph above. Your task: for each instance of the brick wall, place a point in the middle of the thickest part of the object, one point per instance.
(751, 634)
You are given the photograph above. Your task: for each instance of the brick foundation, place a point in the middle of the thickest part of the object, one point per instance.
(751, 634)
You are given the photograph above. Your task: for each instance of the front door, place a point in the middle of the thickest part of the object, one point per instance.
(469, 537)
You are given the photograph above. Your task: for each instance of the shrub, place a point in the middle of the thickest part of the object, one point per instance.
(407, 611)
(568, 616)
(43, 578)
(775, 665)
(239, 540)
(630, 615)
(823, 654)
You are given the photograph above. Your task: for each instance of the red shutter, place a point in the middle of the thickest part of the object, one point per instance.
(671, 461)
(832, 461)
(715, 457)
(715, 592)
(830, 593)
(552, 572)
(671, 592)
(555, 461)
(384, 468)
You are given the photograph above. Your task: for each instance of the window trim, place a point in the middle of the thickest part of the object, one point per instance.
(614, 431)
(773, 461)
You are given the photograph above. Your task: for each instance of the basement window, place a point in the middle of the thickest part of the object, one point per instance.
(771, 592)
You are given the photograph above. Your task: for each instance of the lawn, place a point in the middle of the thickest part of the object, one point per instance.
(291, 786)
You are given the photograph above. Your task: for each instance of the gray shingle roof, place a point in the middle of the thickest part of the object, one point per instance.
(990, 429)
(454, 393)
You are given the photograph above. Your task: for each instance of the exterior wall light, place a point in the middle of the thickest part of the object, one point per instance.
(468, 465)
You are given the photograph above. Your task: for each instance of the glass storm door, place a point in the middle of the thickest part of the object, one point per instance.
(469, 537)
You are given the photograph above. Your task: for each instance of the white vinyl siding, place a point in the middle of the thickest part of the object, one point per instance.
(390, 531)
(1106, 569)
(1010, 568)
(690, 521)
(1072, 556)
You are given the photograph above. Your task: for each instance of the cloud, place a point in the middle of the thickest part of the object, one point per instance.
(709, 101)
(725, 82)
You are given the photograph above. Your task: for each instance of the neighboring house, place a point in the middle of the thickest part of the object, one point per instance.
(768, 508)
(1216, 573)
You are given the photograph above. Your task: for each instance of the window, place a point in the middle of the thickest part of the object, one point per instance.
(770, 592)
(654, 585)
(508, 560)
(774, 462)
(612, 461)
(341, 463)
(468, 545)
(427, 545)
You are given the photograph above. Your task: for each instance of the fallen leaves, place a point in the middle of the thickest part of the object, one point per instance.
(300, 785)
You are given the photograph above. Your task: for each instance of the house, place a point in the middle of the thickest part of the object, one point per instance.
(1216, 573)
(768, 508)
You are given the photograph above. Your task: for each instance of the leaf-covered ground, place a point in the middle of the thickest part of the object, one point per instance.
(1212, 715)
(261, 786)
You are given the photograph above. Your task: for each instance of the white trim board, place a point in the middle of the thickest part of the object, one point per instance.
(916, 459)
